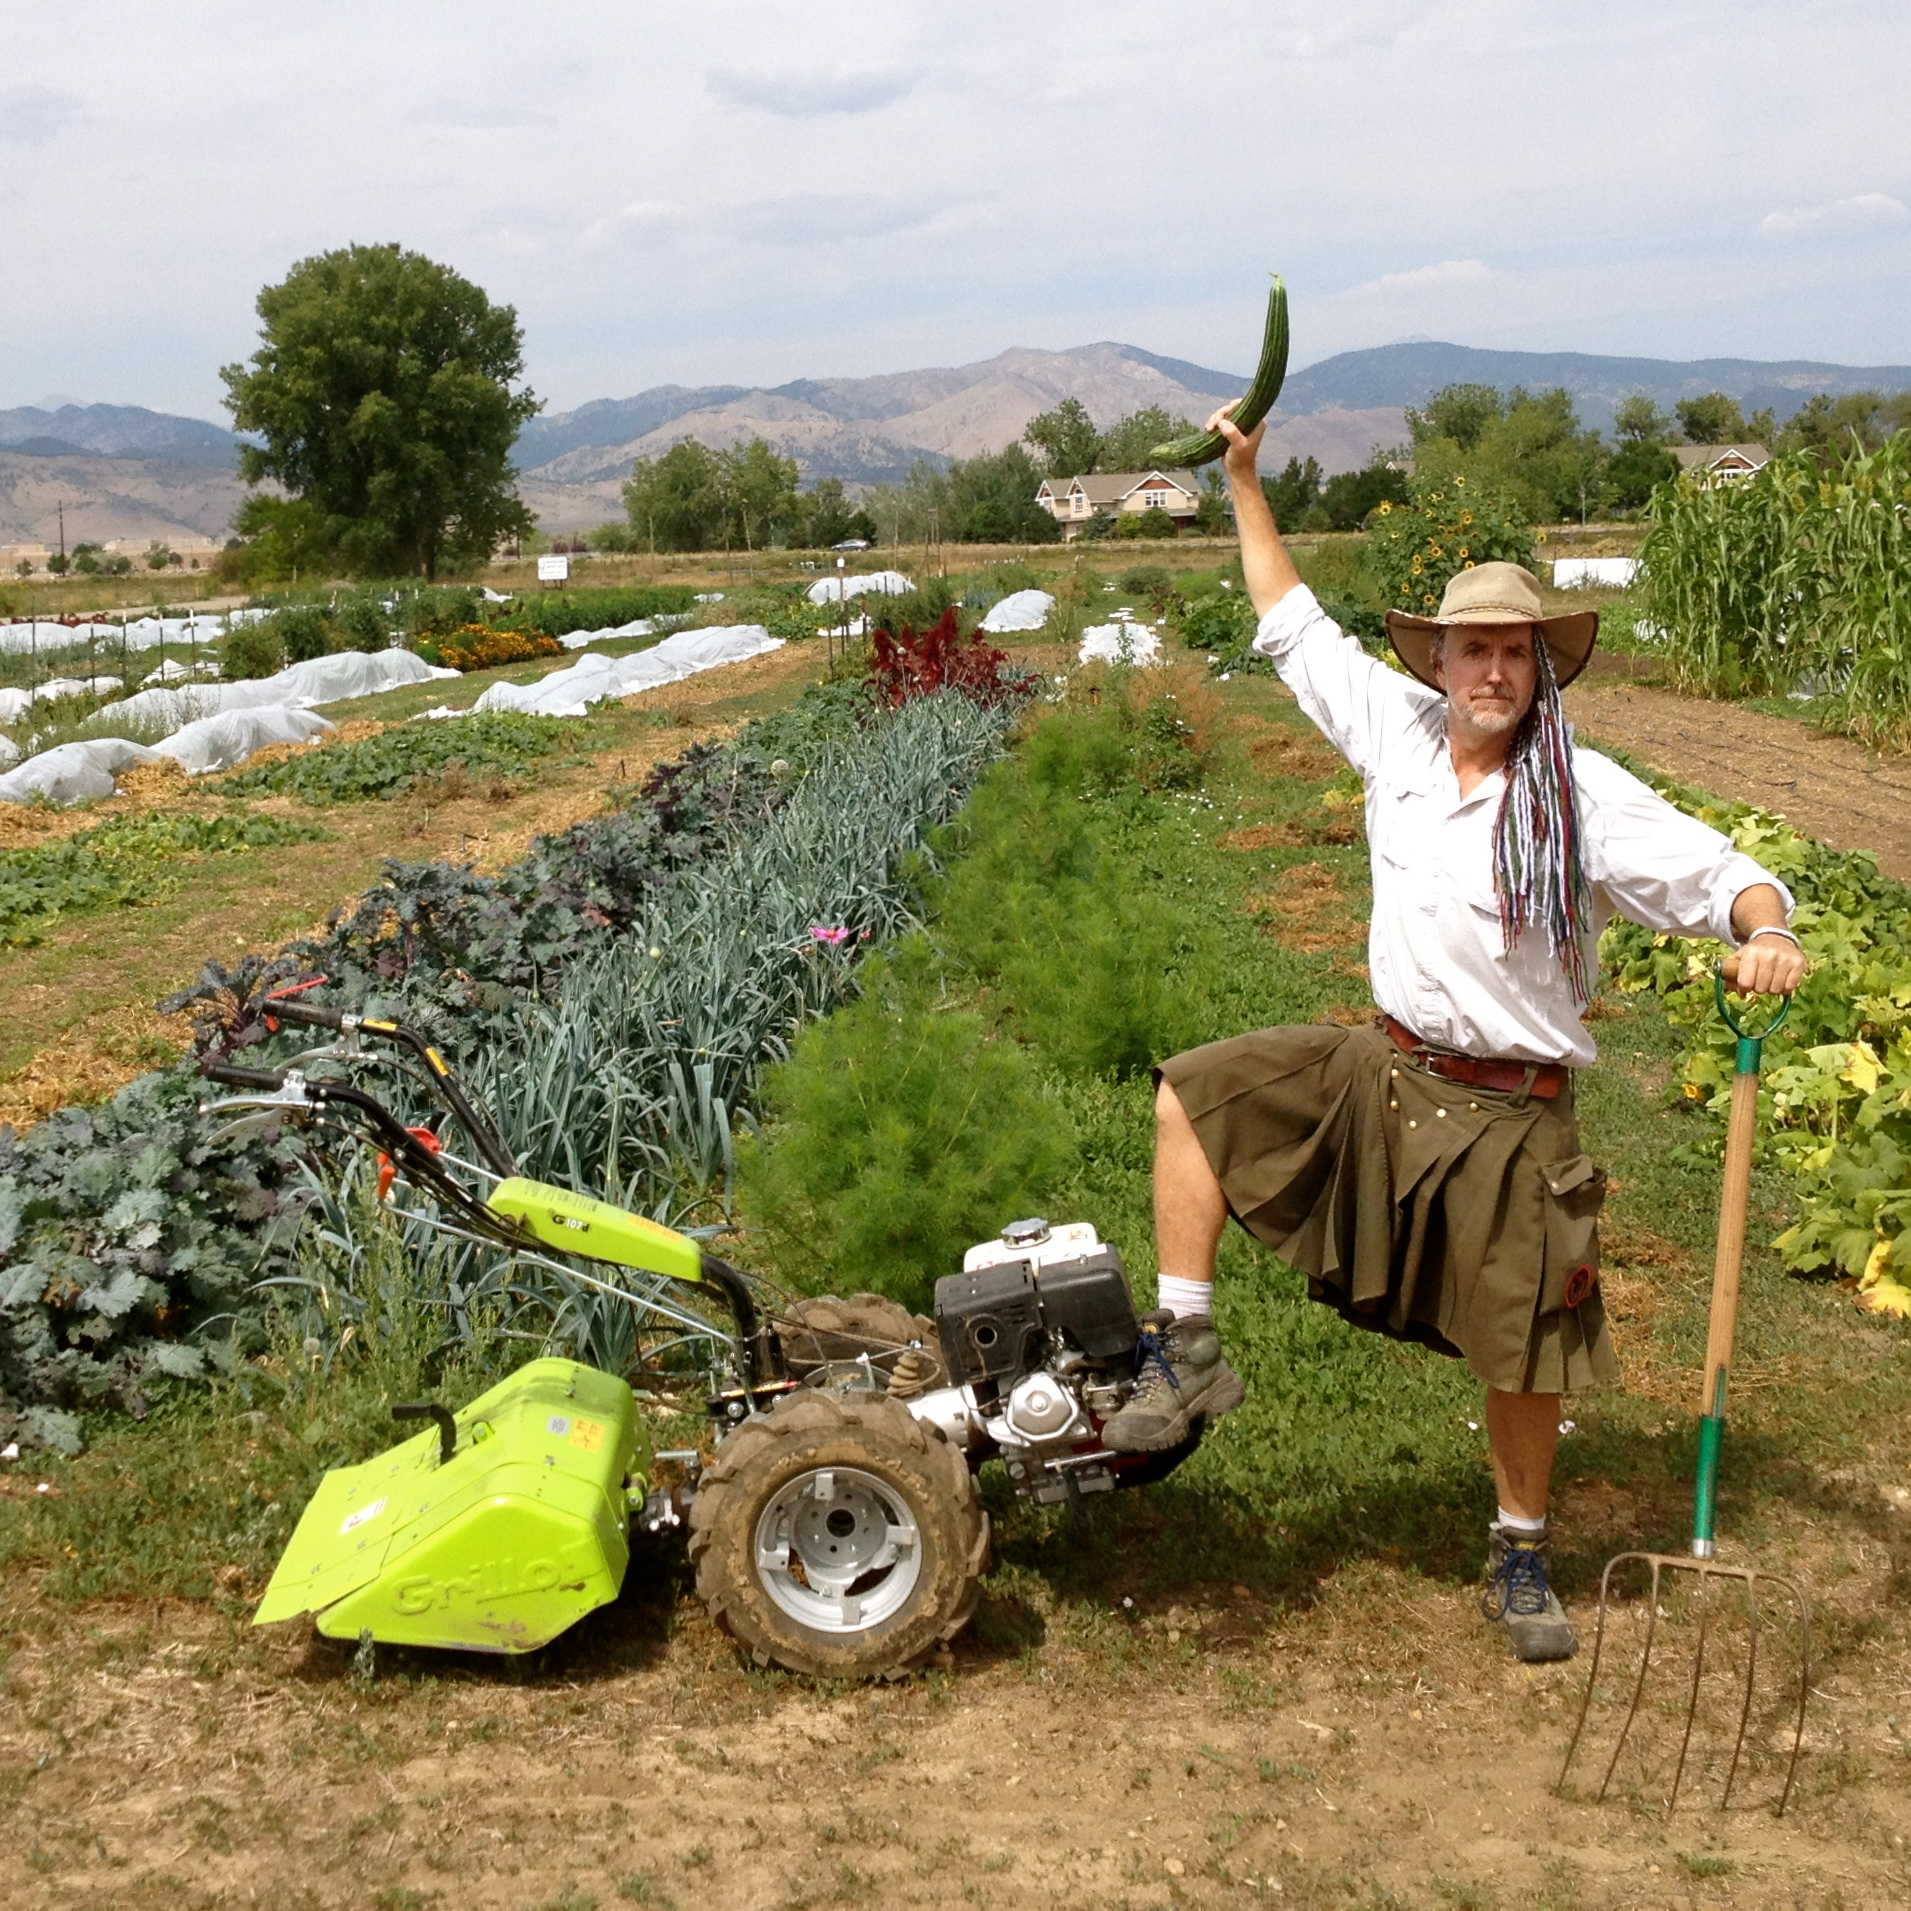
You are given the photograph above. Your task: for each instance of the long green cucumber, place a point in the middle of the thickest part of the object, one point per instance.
(1203, 447)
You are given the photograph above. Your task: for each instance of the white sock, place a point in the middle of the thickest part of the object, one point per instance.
(1512, 1523)
(1186, 1300)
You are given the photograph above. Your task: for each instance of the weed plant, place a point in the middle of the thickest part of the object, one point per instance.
(83, 719)
(558, 613)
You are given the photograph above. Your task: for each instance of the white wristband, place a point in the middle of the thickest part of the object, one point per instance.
(1773, 929)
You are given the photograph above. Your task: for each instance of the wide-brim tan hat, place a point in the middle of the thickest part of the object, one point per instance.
(1494, 594)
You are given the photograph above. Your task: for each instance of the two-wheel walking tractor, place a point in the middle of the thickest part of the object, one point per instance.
(833, 1514)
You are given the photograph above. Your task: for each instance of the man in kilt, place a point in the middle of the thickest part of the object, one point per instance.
(1425, 1171)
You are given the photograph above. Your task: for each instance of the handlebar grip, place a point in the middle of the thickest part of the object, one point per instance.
(241, 1077)
(311, 1014)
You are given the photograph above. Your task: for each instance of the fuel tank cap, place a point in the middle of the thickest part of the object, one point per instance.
(1030, 1233)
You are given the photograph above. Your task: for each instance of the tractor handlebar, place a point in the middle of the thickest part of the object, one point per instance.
(242, 1077)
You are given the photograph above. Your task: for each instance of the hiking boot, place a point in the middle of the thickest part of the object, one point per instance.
(1518, 1597)
(1181, 1381)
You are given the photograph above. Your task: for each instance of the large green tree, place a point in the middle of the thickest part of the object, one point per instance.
(759, 493)
(992, 501)
(1294, 492)
(1636, 420)
(825, 516)
(1828, 426)
(1528, 444)
(1126, 443)
(696, 499)
(1065, 439)
(1714, 419)
(676, 502)
(383, 389)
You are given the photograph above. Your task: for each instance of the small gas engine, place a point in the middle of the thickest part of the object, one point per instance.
(1039, 1336)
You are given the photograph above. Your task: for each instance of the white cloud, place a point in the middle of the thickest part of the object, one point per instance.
(471, 116)
(1427, 278)
(1860, 213)
(643, 219)
(31, 115)
(820, 218)
(812, 95)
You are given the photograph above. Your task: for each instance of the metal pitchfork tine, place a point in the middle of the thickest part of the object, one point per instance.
(1734, 1201)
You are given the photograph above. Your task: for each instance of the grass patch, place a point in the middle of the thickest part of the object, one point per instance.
(124, 861)
(491, 743)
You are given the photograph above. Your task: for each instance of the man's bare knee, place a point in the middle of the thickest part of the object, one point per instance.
(1170, 1116)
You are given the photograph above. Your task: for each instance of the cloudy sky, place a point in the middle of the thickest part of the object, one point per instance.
(766, 191)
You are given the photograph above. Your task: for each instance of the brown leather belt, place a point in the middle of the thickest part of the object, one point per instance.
(1544, 1079)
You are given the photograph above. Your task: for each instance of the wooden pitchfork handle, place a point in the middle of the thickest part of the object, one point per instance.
(1734, 1204)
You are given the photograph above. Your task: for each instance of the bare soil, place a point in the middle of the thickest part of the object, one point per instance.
(1377, 1748)
(1830, 787)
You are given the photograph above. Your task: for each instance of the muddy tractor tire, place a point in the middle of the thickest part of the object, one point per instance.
(828, 1333)
(839, 1537)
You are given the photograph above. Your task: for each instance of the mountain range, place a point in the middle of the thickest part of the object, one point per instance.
(127, 472)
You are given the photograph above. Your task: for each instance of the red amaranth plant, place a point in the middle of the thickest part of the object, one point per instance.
(916, 664)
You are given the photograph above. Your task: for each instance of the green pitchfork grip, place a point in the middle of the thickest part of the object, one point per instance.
(1734, 1202)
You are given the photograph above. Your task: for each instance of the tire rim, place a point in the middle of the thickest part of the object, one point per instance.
(838, 1550)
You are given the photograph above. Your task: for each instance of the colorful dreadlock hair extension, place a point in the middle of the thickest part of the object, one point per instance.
(1537, 870)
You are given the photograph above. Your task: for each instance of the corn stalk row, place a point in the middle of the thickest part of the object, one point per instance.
(1796, 580)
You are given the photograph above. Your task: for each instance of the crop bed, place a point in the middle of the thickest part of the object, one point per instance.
(1263, 1682)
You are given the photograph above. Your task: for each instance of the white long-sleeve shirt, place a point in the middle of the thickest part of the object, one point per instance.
(1436, 955)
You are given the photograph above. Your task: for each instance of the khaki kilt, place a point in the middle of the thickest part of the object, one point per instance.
(1464, 1218)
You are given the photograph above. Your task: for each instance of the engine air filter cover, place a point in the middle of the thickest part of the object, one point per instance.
(989, 1322)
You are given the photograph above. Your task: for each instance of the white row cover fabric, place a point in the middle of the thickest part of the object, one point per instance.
(1575, 573)
(72, 772)
(138, 633)
(1121, 643)
(177, 670)
(74, 687)
(832, 590)
(570, 692)
(224, 742)
(583, 639)
(15, 703)
(9, 753)
(1020, 610)
(351, 673)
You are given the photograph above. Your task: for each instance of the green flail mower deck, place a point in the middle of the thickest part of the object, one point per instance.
(491, 1532)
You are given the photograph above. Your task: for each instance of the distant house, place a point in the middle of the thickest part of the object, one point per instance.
(1721, 464)
(1073, 502)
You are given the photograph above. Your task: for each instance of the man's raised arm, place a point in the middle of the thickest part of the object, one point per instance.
(1265, 564)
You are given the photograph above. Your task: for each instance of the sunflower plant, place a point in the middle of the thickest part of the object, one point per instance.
(1447, 525)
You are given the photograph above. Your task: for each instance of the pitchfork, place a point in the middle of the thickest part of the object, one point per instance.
(1702, 1563)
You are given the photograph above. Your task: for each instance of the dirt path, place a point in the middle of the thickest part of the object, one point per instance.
(1380, 1749)
(1828, 786)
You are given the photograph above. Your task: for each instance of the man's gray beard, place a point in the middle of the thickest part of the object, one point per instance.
(1504, 717)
